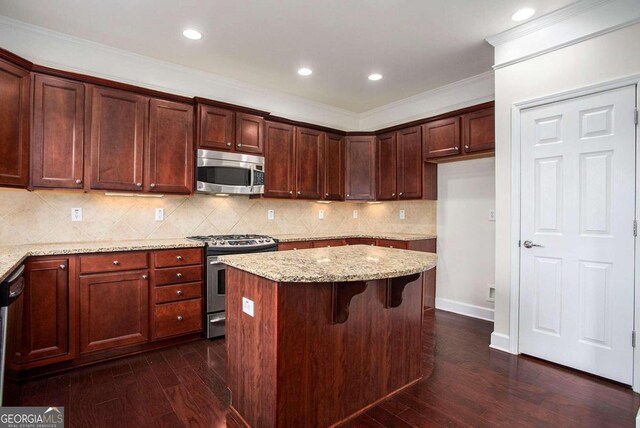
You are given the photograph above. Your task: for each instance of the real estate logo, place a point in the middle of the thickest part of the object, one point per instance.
(31, 417)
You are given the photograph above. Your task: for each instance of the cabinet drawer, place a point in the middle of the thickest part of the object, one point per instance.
(329, 243)
(389, 243)
(177, 257)
(178, 275)
(113, 262)
(172, 319)
(173, 293)
(361, 241)
(299, 245)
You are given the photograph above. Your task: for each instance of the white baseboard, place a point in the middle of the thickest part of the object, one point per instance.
(466, 309)
(501, 342)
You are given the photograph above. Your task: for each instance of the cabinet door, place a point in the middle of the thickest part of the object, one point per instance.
(46, 311)
(57, 148)
(249, 133)
(410, 163)
(114, 310)
(441, 138)
(279, 160)
(170, 147)
(478, 131)
(118, 120)
(333, 167)
(215, 128)
(360, 168)
(14, 125)
(309, 163)
(386, 164)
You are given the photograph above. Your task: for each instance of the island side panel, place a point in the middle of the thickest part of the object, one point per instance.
(429, 277)
(251, 352)
(328, 372)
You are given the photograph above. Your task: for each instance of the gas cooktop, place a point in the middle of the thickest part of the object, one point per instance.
(246, 241)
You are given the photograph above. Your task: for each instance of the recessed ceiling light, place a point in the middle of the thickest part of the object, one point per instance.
(522, 14)
(192, 34)
(375, 76)
(304, 71)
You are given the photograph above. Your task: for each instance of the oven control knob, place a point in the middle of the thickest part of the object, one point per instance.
(261, 240)
(221, 242)
(214, 242)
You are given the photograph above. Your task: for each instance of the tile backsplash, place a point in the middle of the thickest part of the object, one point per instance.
(45, 216)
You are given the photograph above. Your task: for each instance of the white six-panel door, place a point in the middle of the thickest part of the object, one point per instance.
(578, 205)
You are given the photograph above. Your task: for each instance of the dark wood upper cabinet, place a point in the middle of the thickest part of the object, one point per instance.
(117, 128)
(279, 180)
(360, 171)
(57, 145)
(102, 327)
(478, 131)
(48, 312)
(333, 167)
(14, 125)
(386, 166)
(410, 163)
(441, 138)
(215, 128)
(309, 149)
(249, 133)
(170, 147)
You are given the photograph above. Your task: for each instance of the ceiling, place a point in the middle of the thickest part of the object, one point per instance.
(416, 44)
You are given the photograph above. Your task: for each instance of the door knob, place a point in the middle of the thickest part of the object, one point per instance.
(529, 244)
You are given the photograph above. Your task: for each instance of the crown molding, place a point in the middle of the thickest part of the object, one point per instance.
(564, 27)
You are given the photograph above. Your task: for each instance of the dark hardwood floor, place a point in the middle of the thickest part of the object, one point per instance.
(465, 384)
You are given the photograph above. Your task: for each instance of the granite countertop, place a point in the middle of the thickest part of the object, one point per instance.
(12, 256)
(335, 264)
(390, 235)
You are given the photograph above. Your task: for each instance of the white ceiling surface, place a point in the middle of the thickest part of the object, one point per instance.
(417, 45)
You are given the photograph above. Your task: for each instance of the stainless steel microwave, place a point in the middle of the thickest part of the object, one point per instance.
(229, 173)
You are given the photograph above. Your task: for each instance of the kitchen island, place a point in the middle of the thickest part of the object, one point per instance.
(315, 337)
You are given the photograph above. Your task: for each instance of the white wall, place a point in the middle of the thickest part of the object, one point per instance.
(466, 237)
(606, 57)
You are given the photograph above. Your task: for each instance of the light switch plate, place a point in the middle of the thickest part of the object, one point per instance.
(159, 214)
(402, 215)
(247, 306)
(492, 215)
(271, 214)
(321, 214)
(76, 214)
(355, 213)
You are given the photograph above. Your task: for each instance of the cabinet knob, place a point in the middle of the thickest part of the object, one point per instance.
(145, 276)
(239, 144)
(179, 258)
(457, 149)
(179, 275)
(326, 194)
(291, 192)
(63, 267)
(400, 193)
(116, 263)
(78, 181)
(228, 144)
(466, 146)
(139, 184)
(348, 195)
(299, 192)
(152, 185)
(393, 194)
(179, 293)
(180, 318)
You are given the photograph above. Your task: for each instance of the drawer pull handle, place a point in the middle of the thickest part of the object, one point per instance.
(179, 292)
(179, 258)
(179, 275)
(116, 263)
(180, 318)
(145, 276)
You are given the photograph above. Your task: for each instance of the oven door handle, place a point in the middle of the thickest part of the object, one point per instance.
(218, 319)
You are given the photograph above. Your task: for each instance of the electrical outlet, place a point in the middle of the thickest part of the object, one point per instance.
(320, 214)
(492, 293)
(271, 214)
(402, 215)
(247, 306)
(355, 213)
(492, 215)
(159, 214)
(76, 214)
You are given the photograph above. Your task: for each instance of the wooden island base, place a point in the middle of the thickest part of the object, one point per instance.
(317, 354)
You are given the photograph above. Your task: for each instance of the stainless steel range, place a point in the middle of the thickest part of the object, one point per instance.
(218, 245)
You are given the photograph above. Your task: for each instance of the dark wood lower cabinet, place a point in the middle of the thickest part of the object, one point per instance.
(114, 310)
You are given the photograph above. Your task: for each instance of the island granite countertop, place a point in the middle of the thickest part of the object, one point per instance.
(334, 264)
(12, 256)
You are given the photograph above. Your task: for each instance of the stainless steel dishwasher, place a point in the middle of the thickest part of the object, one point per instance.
(10, 289)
